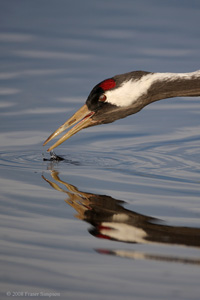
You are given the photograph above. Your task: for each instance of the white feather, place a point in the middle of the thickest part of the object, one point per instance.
(131, 90)
(124, 232)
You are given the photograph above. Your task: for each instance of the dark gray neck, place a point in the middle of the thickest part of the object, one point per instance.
(174, 85)
(144, 88)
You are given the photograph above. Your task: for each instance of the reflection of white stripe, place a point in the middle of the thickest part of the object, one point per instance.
(124, 232)
(130, 254)
(139, 255)
(131, 90)
(120, 217)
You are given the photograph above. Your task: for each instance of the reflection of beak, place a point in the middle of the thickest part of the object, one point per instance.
(82, 116)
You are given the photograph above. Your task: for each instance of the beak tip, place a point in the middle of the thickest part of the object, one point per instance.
(82, 116)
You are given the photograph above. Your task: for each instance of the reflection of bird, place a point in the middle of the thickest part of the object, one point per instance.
(110, 220)
(126, 94)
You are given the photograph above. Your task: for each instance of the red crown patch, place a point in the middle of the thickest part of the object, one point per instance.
(107, 84)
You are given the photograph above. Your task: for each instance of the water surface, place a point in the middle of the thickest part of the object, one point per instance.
(119, 216)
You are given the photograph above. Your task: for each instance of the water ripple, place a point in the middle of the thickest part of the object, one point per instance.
(150, 160)
(19, 159)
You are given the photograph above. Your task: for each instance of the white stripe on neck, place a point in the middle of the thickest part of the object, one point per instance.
(131, 90)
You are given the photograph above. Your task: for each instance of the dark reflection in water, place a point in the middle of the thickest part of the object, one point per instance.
(56, 158)
(110, 220)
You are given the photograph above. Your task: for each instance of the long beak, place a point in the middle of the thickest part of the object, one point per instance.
(82, 116)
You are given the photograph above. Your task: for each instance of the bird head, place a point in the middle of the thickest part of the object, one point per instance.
(108, 101)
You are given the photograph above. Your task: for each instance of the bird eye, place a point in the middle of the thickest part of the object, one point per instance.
(102, 98)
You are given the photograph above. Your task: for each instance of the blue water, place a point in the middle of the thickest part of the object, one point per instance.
(82, 228)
